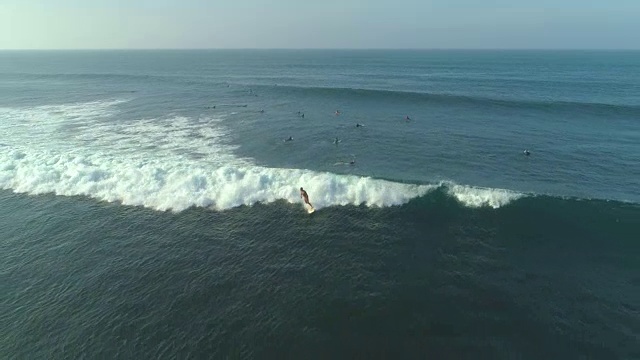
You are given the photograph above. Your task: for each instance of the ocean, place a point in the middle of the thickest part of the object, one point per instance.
(151, 207)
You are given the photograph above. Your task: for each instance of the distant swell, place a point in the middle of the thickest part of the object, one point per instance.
(112, 77)
(451, 99)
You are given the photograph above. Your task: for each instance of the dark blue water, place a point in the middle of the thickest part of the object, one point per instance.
(151, 206)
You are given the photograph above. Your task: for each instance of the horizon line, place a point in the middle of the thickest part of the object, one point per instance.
(319, 48)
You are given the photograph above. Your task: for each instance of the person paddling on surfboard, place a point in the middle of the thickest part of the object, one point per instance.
(303, 194)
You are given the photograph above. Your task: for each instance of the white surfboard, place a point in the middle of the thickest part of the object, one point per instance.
(310, 210)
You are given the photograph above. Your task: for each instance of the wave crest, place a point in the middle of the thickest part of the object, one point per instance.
(475, 197)
(163, 186)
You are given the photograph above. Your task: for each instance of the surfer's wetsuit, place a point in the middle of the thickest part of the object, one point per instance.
(304, 195)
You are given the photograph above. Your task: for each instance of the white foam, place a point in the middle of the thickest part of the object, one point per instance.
(481, 197)
(163, 163)
(177, 186)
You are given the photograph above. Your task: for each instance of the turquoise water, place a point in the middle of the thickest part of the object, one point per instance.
(151, 206)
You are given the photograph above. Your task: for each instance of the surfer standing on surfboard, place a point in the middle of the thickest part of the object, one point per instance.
(303, 194)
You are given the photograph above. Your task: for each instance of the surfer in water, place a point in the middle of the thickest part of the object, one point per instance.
(351, 162)
(305, 196)
(526, 153)
(359, 125)
(289, 139)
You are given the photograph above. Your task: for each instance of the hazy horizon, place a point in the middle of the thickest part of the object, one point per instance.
(329, 49)
(331, 24)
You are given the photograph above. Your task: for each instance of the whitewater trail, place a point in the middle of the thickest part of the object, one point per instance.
(174, 163)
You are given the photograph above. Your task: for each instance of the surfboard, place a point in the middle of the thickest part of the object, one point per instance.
(310, 210)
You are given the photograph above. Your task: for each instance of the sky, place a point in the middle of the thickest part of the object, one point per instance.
(441, 24)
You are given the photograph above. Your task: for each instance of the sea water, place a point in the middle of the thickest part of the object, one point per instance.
(151, 204)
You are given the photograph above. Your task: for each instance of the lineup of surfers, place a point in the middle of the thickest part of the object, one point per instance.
(336, 141)
(337, 113)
